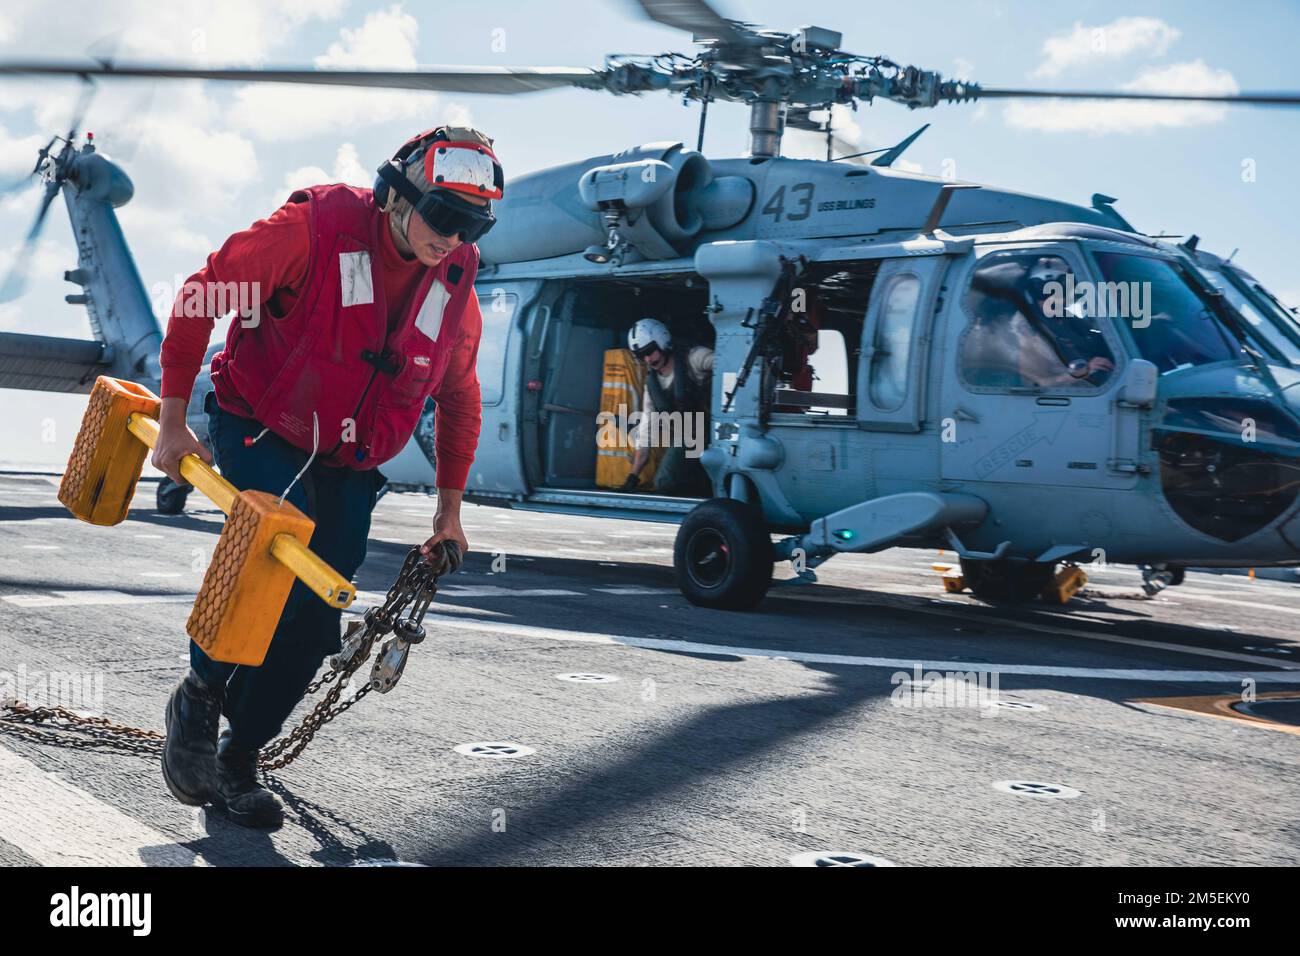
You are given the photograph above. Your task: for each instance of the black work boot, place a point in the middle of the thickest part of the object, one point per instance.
(239, 793)
(189, 762)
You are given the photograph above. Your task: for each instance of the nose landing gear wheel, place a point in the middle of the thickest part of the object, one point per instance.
(1006, 582)
(170, 498)
(723, 555)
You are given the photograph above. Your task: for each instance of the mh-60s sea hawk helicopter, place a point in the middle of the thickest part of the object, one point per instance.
(979, 407)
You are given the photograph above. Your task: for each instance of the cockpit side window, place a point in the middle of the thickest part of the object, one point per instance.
(1027, 331)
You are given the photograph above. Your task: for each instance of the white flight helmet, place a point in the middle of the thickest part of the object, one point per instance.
(1047, 270)
(648, 335)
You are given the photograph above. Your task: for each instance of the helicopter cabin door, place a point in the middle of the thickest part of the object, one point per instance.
(498, 470)
(1030, 381)
(896, 344)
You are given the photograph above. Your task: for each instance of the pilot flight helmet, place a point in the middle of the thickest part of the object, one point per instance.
(1047, 277)
(648, 335)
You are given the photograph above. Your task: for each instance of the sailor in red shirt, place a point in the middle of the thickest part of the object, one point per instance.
(357, 305)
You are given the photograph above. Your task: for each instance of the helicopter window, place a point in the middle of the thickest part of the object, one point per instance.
(498, 311)
(1024, 334)
(1287, 316)
(1265, 326)
(816, 375)
(892, 349)
(830, 369)
(1179, 328)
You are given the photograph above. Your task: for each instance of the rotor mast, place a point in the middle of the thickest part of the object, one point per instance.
(765, 128)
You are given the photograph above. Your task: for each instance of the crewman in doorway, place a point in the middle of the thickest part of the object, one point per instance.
(678, 392)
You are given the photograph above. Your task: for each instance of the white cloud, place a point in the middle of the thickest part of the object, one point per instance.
(48, 259)
(168, 227)
(804, 144)
(193, 31)
(347, 169)
(17, 155)
(219, 163)
(386, 40)
(1098, 117)
(1119, 38)
(173, 146)
(11, 316)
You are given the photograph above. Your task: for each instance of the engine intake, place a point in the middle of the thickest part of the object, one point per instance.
(651, 202)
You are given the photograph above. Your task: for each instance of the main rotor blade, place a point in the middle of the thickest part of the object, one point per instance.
(451, 79)
(16, 281)
(694, 16)
(1253, 99)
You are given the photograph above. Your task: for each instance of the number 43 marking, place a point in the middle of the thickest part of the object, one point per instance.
(801, 194)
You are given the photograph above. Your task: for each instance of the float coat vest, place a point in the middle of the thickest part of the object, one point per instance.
(333, 353)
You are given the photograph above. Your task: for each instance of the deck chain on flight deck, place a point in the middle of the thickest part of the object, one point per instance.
(401, 613)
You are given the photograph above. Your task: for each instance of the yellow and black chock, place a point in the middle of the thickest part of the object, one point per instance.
(263, 545)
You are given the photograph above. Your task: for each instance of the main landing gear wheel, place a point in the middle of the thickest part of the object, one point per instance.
(171, 496)
(723, 555)
(1006, 582)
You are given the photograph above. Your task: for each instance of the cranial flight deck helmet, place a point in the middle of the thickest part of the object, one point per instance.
(432, 171)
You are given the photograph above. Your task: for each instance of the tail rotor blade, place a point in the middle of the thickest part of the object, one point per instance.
(88, 90)
(16, 281)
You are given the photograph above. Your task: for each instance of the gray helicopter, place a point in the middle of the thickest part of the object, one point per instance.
(1023, 381)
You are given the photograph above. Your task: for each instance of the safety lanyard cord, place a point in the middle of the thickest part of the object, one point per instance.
(315, 447)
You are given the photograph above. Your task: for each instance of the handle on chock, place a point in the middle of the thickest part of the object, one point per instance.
(326, 583)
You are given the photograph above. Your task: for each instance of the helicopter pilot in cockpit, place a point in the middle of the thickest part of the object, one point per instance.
(1025, 334)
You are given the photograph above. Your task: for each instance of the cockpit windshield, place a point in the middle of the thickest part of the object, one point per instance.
(1266, 320)
(1173, 323)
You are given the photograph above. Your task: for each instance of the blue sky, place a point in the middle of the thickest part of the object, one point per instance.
(208, 159)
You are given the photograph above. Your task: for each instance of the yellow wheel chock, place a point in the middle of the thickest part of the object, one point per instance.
(953, 582)
(263, 545)
(1069, 580)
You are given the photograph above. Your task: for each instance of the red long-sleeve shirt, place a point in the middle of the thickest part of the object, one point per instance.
(275, 253)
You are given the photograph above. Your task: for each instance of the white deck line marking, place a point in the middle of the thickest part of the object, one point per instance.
(1052, 629)
(58, 824)
(493, 590)
(637, 590)
(92, 598)
(895, 663)
(1197, 596)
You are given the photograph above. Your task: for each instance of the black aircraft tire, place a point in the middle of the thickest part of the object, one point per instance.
(1006, 582)
(171, 497)
(723, 556)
